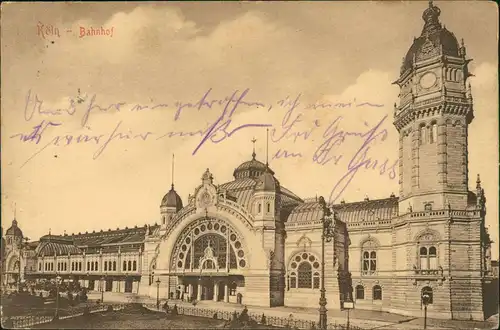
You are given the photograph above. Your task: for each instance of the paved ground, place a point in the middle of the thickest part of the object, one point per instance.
(132, 321)
(361, 318)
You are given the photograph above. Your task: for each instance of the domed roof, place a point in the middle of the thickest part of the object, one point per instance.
(267, 182)
(14, 230)
(172, 199)
(251, 169)
(434, 37)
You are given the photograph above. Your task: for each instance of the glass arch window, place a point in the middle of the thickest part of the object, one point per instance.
(433, 133)
(304, 271)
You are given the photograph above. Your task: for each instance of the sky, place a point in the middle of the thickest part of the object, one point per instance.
(144, 78)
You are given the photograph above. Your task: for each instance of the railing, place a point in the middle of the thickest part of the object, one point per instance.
(262, 319)
(28, 321)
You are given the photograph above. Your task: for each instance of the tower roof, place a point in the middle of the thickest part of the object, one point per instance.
(172, 199)
(14, 230)
(267, 182)
(434, 38)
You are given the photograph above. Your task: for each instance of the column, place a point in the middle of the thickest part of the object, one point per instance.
(226, 292)
(199, 292)
(216, 293)
(190, 291)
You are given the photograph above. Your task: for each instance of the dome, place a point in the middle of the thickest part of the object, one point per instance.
(14, 230)
(434, 39)
(251, 169)
(267, 182)
(172, 199)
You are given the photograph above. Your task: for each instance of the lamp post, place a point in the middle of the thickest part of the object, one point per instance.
(425, 300)
(158, 293)
(326, 236)
(21, 249)
(58, 279)
(102, 289)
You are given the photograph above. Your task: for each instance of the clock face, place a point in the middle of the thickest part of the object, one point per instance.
(428, 80)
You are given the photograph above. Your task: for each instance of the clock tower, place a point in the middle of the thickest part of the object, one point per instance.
(432, 118)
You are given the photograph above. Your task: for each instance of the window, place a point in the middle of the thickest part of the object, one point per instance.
(65, 266)
(433, 133)
(129, 265)
(114, 265)
(428, 257)
(268, 207)
(88, 265)
(124, 265)
(369, 262)
(360, 292)
(422, 135)
(80, 266)
(96, 266)
(105, 266)
(260, 208)
(377, 292)
(232, 289)
(39, 266)
(428, 291)
(305, 275)
(293, 280)
(316, 281)
(304, 272)
(135, 266)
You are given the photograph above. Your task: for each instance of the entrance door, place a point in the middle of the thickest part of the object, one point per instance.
(109, 285)
(128, 285)
(221, 292)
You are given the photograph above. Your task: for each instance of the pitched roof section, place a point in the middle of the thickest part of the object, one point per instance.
(367, 210)
(243, 190)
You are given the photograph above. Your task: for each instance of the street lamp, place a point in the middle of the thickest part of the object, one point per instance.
(158, 293)
(58, 279)
(426, 298)
(21, 249)
(102, 289)
(326, 236)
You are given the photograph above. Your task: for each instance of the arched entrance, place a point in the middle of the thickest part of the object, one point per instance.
(207, 258)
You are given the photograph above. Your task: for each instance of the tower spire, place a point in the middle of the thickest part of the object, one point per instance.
(267, 147)
(253, 153)
(173, 157)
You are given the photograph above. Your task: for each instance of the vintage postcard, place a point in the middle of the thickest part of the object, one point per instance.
(300, 165)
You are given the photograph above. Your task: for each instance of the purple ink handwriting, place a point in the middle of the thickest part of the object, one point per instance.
(362, 158)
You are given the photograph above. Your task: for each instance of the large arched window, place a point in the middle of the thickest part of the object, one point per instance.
(427, 290)
(360, 292)
(369, 262)
(369, 257)
(377, 292)
(304, 272)
(210, 240)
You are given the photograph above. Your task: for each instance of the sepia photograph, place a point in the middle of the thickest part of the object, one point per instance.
(249, 165)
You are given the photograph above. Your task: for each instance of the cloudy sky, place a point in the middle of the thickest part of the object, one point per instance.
(163, 58)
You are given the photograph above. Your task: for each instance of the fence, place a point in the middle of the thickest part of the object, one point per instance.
(27, 321)
(262, 319)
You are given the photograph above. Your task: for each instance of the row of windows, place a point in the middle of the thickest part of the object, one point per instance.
(427, 260)
(428, 134)
(91, 266)
(376, 292)
(268, 206)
